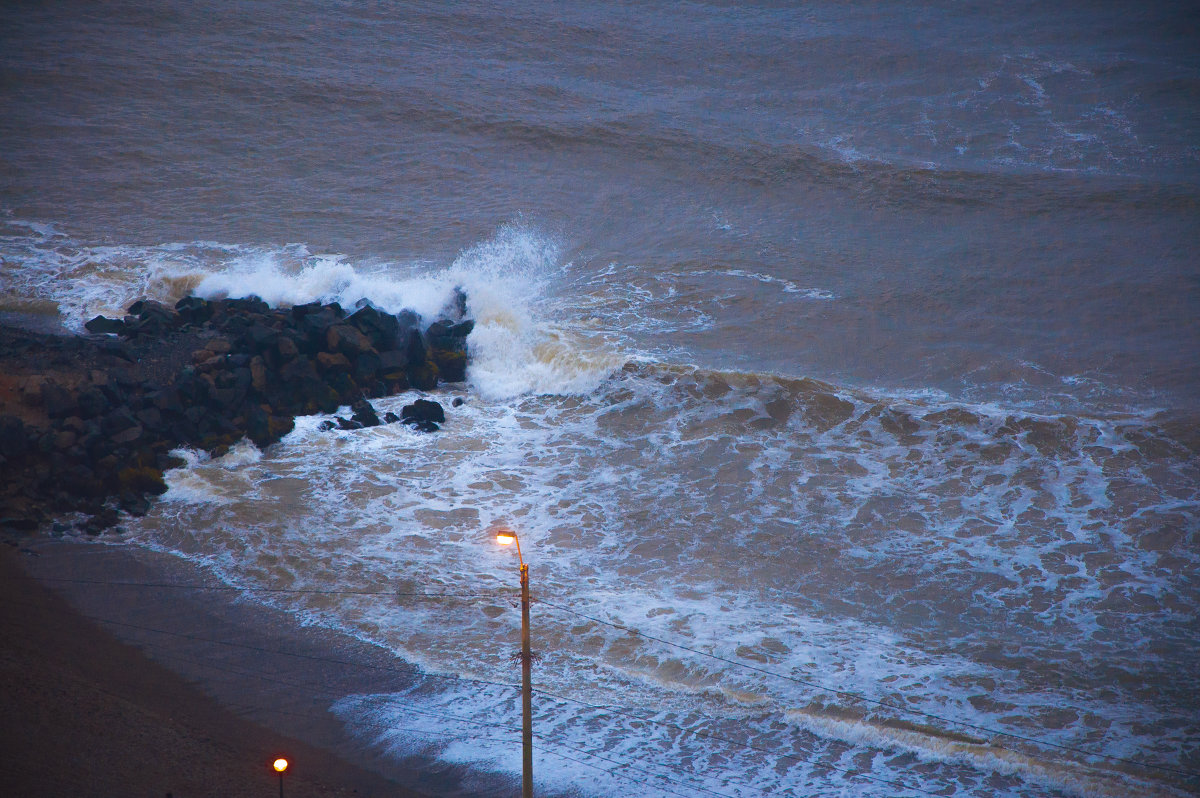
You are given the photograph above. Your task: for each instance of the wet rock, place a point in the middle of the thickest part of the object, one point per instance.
(364, 413)
(194, 310)
(92, 402)
(423, 377)
(57, 401)
(333, 362)
(31, 390)
(347, 340)
(392, 365)
(423, 410)
(380, 328)
(14, 438)
(287, 348)
(252, 370)
(104, 325)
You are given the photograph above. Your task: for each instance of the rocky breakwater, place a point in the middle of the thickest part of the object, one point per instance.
(87, 423)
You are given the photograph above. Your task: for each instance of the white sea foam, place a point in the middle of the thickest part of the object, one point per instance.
(652, 503)
(997, 552)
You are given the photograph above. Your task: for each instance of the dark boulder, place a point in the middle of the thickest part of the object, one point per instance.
(379, 327)
(423, 377)
(333, 363)
(366, 367)
(250, 305)
(348, 340)
(392, 365)
(414, 346)
(194, 310)
(57, 401)
(146, 308)
(92, 402)
(14, 438)
(448, 348)
(102, 325)
(364, 413)
(259, 338)
(314, 326)
(423, 410)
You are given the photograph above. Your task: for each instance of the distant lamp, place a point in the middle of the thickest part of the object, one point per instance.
(280, 765)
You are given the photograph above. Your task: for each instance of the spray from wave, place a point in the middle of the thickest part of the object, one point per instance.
(523, 343)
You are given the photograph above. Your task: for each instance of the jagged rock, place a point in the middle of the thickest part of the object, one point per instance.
(103, 325)
(364, 413)
(347, 340)
(380, 328)
(194, 310)
(112, 423)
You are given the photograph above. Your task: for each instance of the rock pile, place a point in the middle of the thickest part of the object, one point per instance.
(98, 415)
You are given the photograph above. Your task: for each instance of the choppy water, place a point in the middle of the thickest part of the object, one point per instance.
(845, 351)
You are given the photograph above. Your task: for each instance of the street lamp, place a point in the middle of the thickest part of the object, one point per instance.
(507, 537)
(280, 765)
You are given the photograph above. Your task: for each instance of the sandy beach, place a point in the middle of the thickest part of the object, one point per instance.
(85, 714)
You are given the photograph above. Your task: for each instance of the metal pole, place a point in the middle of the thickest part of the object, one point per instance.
(526, 689)
(281, 784)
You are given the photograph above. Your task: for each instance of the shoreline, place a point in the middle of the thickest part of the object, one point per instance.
(153, 690)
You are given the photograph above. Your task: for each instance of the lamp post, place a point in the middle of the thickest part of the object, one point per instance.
(507, 537)
(280, 765)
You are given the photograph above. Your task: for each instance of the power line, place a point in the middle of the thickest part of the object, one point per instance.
(867, 699)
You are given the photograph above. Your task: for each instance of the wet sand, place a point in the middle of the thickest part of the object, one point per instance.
(84, 713)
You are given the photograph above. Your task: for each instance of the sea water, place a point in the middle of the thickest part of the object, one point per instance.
(835, 365)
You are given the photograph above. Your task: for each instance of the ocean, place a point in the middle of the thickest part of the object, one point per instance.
(836, 363)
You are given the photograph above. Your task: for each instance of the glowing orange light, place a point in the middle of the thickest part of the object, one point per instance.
(506, 538)
(280, 765)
